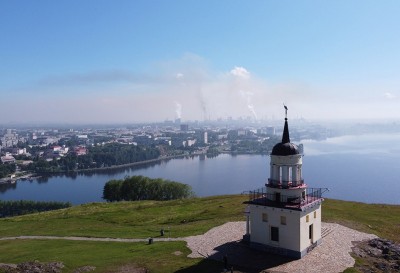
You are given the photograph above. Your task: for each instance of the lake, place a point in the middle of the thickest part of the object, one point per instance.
(358, 168)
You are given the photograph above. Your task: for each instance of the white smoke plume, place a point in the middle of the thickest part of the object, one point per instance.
(247, 96)
(178, 109)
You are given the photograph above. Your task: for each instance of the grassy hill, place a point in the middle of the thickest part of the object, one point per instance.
(143, 219)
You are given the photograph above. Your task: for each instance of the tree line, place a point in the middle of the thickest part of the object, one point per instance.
(144, 188)
(112, 154)
(14, 208)
(6, 169)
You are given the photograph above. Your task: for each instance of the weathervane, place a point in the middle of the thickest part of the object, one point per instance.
(285, 110)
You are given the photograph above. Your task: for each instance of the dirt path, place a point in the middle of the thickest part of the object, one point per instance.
(96, 239)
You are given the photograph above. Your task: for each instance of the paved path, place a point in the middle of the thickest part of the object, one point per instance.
(332, 256)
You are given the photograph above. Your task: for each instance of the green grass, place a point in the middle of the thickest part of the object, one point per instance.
(140, 219)
(145, 219)
(106, 257)
(379, 219)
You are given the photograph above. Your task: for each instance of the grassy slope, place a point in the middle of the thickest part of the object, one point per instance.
(379, 219)
(130, 219)
(106, 257)
(145, 218)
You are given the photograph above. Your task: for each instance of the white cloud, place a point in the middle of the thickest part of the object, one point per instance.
(240, 72)
(389, 95)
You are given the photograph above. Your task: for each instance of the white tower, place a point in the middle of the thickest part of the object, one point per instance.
(285, 216)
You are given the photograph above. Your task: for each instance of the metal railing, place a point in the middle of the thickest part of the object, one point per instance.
(262, 197)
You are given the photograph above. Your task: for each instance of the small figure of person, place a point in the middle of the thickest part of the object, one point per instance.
(162, 232)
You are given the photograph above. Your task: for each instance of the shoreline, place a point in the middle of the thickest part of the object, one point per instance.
(113, 167)
(34, 175)
(139, 163)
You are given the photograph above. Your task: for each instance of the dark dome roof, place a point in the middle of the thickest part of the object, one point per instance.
(285, 149)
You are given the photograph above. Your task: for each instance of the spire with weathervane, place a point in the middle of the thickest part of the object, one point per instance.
(285, 136)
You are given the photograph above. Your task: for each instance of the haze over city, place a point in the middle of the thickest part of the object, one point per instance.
(147, 61)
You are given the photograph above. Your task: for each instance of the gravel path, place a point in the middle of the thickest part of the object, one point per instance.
(71, 238)
(205, 245)
(330, 257)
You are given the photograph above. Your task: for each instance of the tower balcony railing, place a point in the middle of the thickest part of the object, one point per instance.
(263, 197)
(281, 184)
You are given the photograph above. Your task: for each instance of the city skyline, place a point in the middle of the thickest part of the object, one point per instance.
(146, 61)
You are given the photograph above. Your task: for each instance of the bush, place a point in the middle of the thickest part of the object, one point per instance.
(144, 188)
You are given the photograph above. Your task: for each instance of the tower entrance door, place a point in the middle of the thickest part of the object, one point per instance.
(311, 233)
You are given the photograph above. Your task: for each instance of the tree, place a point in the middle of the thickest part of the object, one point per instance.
(112, 190)
(144, 188)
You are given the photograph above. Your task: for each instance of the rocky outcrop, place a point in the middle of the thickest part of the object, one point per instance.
(33, 267)
(38, 267)
(379, 255)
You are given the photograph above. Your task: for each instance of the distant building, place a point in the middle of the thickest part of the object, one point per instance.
(9, 139)
(222, 136)
(204, 137)
(79, 150)
(60, 150)
(184, 127)
(241, 132)
(7, 159)
(270, 130)
(14, 151)
(189, 142)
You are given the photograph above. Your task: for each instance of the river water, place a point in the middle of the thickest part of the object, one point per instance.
(358, 168)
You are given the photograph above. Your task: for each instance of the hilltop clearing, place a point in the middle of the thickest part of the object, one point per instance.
(144, 219)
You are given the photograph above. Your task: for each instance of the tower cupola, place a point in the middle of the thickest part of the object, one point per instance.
(286, 162)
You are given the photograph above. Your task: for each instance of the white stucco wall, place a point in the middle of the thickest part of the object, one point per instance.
(294, 235)
(286, 160)
(289, 235)
(316, 222)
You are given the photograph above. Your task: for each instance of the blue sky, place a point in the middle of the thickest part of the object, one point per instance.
(130, 61)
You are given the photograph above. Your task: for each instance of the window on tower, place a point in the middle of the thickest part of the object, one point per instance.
(283, 220)
(265, 217)
(315, 214)
(307, 218)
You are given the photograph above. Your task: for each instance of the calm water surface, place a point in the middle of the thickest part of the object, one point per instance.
(359, 168)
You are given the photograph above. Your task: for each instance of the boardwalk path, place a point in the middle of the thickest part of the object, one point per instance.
(330, 257)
